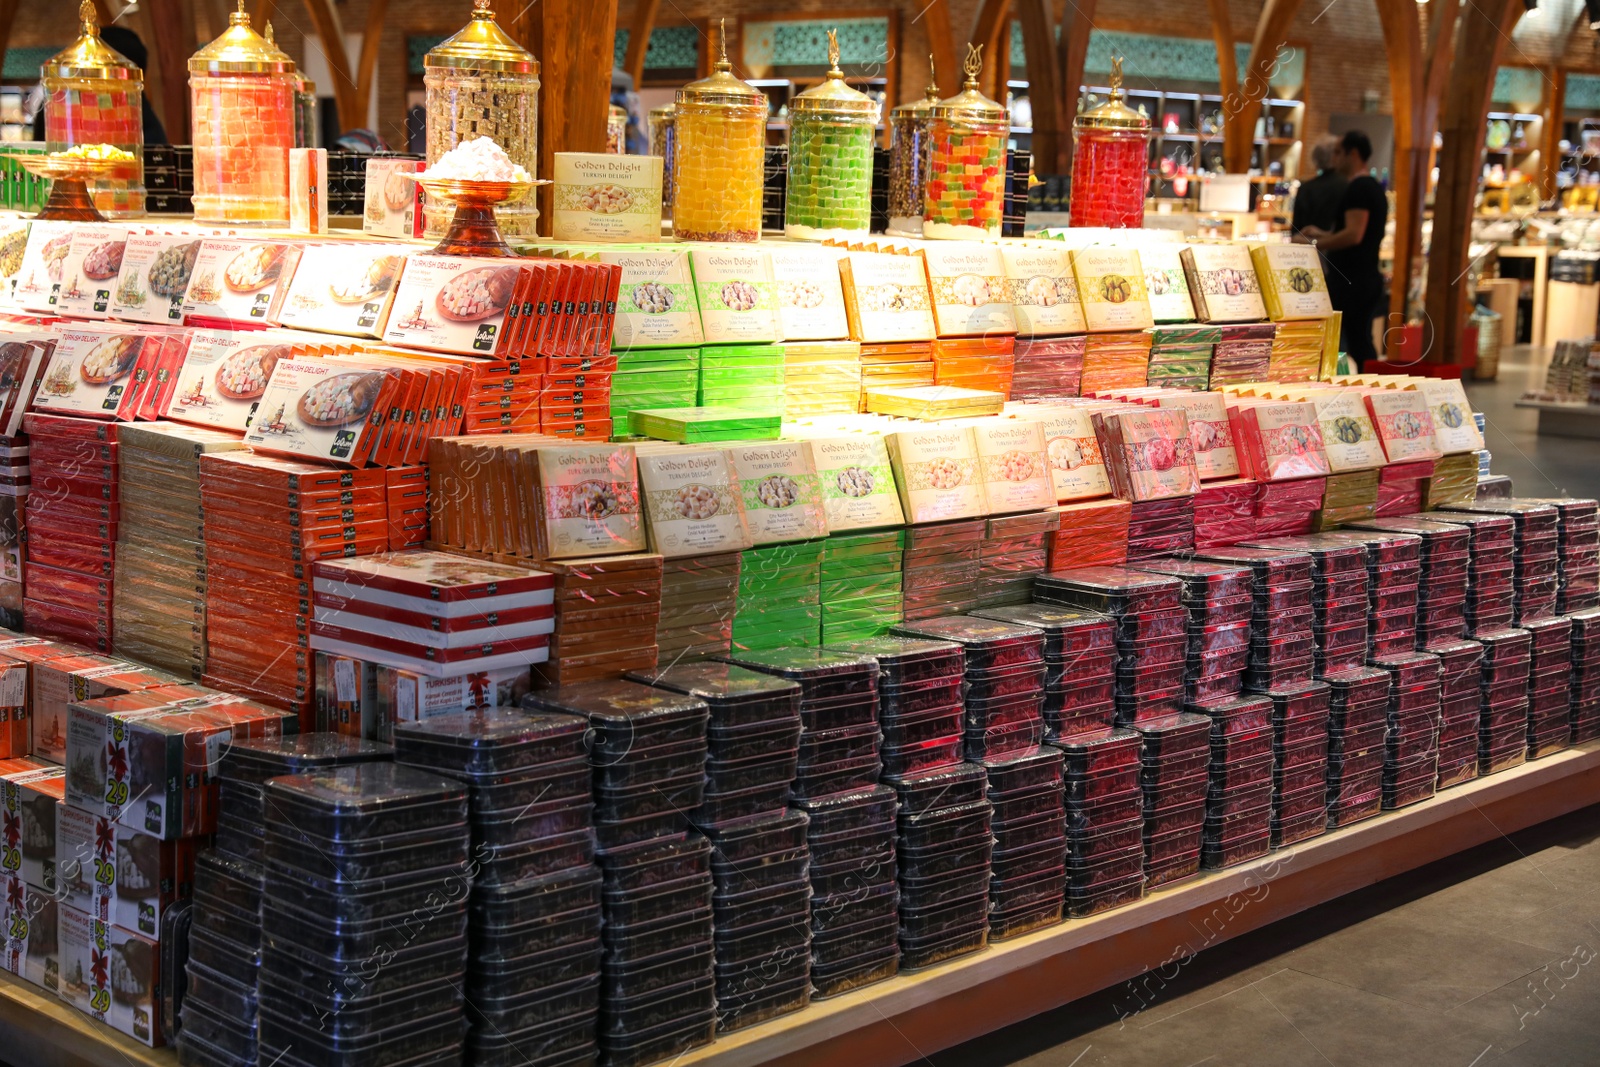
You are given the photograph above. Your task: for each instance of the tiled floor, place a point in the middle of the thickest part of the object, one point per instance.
(1491, 957)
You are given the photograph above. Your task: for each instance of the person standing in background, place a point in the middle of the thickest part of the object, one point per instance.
(1317, 201)
(1350, 252)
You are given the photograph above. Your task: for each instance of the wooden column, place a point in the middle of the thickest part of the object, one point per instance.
(330, 35)
(1555, 88)
(942, 44)
(575, 43)
(1241, 112)
(1402, 39)
(371, 46)
(172, 47)
(1073, 50)
(1046, 91)
(986, 27)
(1482, 38)
(644, 24)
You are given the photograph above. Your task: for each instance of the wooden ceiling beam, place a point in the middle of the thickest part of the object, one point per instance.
(935, 19)
(351, 113)
(986, 27)
(371, 46)
(1072, 51)
(1046, 94)
(1272, 32)
(644, 24)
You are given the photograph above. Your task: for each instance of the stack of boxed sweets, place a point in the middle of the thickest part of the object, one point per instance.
(1218, 599)
(1300, 725)
(742, 376)
(1394, 575)
(1585, 675)
(1578, 561)
(699, 596)
(1503, 721)
(138, 802)
(406, 636)
(861, 584)
(1535, 549)
(1411, 756)
(1104, 802)
(850, 836)
(1151, 633)
(1282, 645)
(1174, 756)
(1490, 569)
(761, 894)
(1239, 797)
(1027, 887)
(1442, 580)
(1460, 667)
(780, 597)
(648, 753)
(1242, 354)
(159, 600)
(1012, 555)
(941, 565)
(653, 378)
(1339, 598)
(1357, 730)
(1047, 367)
(338, 842)
(224, 974)
(71, 523)
(974, 362)
(1549, 685)
(1080, 665)
(1180, 355)
(31, 793)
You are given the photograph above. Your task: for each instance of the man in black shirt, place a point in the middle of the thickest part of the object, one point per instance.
(1317, 201)
(1350, 253)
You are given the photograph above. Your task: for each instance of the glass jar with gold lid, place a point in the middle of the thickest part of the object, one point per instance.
(964, 197)
(306, 133)
(908, 160)
(663, 135)
(481, 83)
(1110, 162)
(719, 155)
(93, 95)
(831, 128)
(616, 131)
(241, 91)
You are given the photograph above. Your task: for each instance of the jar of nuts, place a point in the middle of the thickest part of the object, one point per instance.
(908, 160)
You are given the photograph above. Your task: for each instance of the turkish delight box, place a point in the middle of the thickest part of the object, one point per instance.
(1404, 424)
(588, 501)
(57, 683)
(968, 283)
(1013, 464)
(44, 258)
(779, 487)
(154, 277)
(392, 204)
(1210, 434)
(96, 372)
(239, 279)
(937, 471)
(111, 974)
(89, 272)
(886, 296)
(608, 198)
(223, 376)
(1166, 284)
(323, 410)
(1292, 282)
(691, 501)
(32, 933)
(118, 875)
(656, 304)
(1149, 453)
(407, 696)
(1077, 467)
(31, 799)
(13, 242)
(1112, 287)
(1454, 428)
(857, 482)
(452, 303)
(810, 295)
(1282, 439)
(1223, 283)
(1348, 435)
(737, 296)
(1044, 291)
(343, 289)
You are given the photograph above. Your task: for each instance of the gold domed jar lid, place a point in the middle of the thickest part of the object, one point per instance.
(664, 113)
(722, 89)
(89, 56)
(834, 97)
(930, 97)
(970, 105)
(1113, 114)
(482, 45)
(240, 50)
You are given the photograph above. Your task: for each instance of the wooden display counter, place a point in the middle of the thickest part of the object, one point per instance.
(899, 1021)
(1563, 419)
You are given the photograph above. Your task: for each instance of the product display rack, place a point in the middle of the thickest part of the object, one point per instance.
(1013, 980)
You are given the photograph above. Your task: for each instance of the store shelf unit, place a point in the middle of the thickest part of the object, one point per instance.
(1011, 981)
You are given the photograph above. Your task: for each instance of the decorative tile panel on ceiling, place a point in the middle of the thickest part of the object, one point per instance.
(1153, 61)
(1583, 92)
(1519, 88)
(671, 48)
(23, 64)
(862, 43)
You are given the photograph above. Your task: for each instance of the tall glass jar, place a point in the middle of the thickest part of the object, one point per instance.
(831, 128)
(481, 83)
(1110, 161)
(663, 135)
(908, 160)
(306, 133)
(616, 131)
(92, 96)
(719, 157)
(964, 198)
(241, 90)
